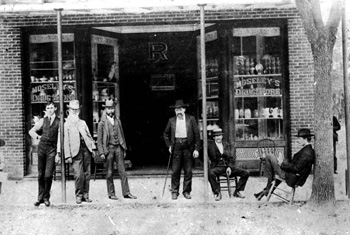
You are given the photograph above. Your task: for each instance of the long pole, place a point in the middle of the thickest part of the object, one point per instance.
(60, 85)
(346, 95)
(204, 102)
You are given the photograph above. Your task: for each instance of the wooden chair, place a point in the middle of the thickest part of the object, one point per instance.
(277, 192)
(227, 183)
(265, 147)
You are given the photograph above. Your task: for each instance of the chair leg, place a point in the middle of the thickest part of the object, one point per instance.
(229, 187)
(292, 196)
(95, 172)
(271, 190)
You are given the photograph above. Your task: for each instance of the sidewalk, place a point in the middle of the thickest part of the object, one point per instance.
(147, 189)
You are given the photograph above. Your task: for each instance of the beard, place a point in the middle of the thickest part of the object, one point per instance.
(73, 118)
(180, 114)
(111, 114)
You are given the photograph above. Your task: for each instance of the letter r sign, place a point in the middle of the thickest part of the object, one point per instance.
(157, 50)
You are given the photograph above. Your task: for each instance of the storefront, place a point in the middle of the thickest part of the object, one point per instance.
(253, 76)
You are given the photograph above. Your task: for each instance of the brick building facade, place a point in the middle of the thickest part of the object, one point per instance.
(13, 94)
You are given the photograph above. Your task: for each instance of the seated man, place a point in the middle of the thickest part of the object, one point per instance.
(294, 172)
(221, 162)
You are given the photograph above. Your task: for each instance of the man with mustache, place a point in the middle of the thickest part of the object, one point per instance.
(111, 145)
(78, 148)
(181, 136)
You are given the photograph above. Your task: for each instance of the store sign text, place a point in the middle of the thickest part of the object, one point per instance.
(261, 86)
(257, 91)
(157, 50)
(45, 98)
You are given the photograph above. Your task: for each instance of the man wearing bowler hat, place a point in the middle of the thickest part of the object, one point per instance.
(111, 145)
(295, 171)
(221, 162)
(181, 136)
(78, 148)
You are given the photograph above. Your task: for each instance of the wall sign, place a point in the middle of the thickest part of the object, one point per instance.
(162, 82)
(157, 51)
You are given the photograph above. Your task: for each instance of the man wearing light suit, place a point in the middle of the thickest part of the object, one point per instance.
(181, 136)
(78, 147)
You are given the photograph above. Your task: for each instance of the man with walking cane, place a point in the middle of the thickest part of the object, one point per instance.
(181, 136)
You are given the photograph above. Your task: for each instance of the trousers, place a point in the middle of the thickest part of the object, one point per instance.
(116, 153)
(82, 172)
(181, 159)
(46, 166)
(219, 170)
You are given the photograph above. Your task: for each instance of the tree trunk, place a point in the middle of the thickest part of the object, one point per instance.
(323, 183)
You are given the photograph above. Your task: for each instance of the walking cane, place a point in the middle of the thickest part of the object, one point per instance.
(166, 176)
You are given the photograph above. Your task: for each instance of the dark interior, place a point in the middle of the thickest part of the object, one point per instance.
(145, 110)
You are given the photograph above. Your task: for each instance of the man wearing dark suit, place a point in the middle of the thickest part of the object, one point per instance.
(222, 162)
(181, 136)
(49, 146)
(296, 171)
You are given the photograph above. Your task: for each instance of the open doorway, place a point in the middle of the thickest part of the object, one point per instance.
(155, 70)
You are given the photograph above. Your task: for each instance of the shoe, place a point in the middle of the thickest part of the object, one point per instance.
(218, 196)
(47, 202)
(86, 200)
(174, 196)
(335, 172)
(113, 197)
(259, 195)
(78, 200)
(37, 203)
(238, 194)
(130, 196)
(187, 195)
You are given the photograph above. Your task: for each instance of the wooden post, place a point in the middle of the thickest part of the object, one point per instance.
(346, 96)
(60, 84)
(204, 101)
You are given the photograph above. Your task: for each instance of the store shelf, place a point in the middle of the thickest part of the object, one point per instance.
(258, 75)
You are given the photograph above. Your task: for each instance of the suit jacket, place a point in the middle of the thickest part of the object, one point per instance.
(103, 135)
(300, 167)
(72, 138)
(193, 139)
(215, 156)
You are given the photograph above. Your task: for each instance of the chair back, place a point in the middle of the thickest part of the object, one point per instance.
(265, 147)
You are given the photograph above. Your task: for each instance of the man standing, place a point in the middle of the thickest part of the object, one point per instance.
(221, 162)
(336, 127)
(111, 144)
(295, 171)
(181, 136)
(47, 150)
(78, 147)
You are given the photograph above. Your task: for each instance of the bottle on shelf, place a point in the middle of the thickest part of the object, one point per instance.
(247, 66)
(252, 66)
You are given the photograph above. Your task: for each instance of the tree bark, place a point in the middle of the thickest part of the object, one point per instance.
(322, 39)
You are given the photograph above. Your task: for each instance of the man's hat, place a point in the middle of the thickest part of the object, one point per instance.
(217, 131)
(305, 132)
(73, 104)
(2, 142)
(109, 103)
(179, 104)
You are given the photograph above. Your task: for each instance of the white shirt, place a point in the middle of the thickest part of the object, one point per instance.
(220, 147)
(110, 119)
(181, 131)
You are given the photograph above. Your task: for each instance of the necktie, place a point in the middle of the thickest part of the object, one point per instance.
(50, 120)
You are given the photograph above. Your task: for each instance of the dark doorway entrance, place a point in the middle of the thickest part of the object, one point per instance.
(144, 103)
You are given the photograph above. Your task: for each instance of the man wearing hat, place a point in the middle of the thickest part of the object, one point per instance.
(111, 145)
(222, 162)
(78, 148)
(295, 171)
(181, 136)
(49, 145)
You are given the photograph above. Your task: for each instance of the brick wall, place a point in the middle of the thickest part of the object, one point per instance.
(301, 79)
(11, 95)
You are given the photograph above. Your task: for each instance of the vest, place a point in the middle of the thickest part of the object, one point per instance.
(114, 132)
(50, 133)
